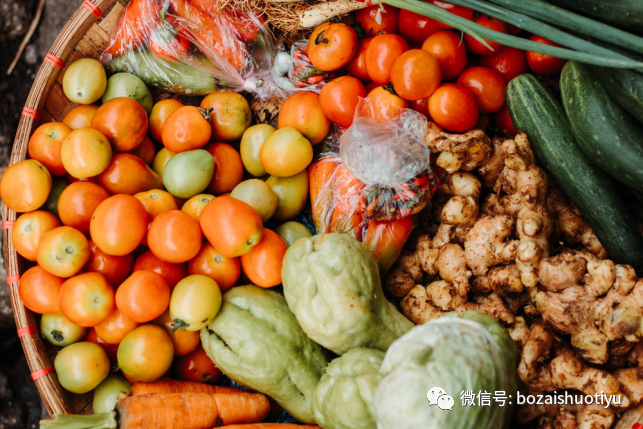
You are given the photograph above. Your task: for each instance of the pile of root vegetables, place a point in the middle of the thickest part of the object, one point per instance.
(502, 239)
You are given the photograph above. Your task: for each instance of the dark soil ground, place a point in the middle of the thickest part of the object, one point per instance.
(20, 405)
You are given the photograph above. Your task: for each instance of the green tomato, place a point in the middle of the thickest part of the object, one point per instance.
(194, 303)
(59, 330)
(292, 194)
(250, 146)
(128, 85)
(81, 366)
(188, 173)
(109, 392)
(84, 81)
(292, 231)
(258, 195)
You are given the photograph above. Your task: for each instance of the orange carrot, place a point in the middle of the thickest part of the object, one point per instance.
(271, 426)
(320, 175)
(174, 386)
(386, 239)
(136, 23)
(191, 410)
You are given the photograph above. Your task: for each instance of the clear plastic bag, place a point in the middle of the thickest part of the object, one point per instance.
(294, 72)
(191, 47)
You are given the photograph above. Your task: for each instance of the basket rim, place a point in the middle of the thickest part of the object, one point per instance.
(88, 13)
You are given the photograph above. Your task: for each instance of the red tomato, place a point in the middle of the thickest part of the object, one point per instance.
(509, 62)
(461, 11)
(172, 273)
(119, 224)
(385, 104)
(210, 262)
(196, 366)
(184, 342)
(228, 168)
(113, 329)
(483, 121)
(357, 66)
(381, 54)
(416, 74)
(186, 129)
(143, 296)
(453, 108)
(39, 290)
(544, 64)
(495, 24)
(145, 150)
(110, 349)
(379, 19)
(45, 146)
(503, 121)
(28, 230)
(174, 237)
(129, 174)
(123, 121)
(262, 265)
(332, 46)
(447, 47)
(339, 97)
(159, 114)
(421, 105)
(114, 268)
(487, 87)
(415, 27)
(77, 203)
(87, 299)
(303, 112)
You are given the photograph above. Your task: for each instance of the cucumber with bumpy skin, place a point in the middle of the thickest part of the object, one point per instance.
(535, 111)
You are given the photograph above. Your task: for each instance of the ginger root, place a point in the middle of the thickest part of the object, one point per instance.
(487, 243)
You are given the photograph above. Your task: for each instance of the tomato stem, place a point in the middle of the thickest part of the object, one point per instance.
(179, 324)
(321, 39)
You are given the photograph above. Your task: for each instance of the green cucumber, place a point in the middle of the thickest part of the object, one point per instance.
(535, 111)
(625, 86)
(604, 131)
(624, 14)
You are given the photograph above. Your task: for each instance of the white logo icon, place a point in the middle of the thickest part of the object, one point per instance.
(438, 396)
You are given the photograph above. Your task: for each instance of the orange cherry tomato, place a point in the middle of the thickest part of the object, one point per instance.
(123, 121)
(186, 129)
(495, 24)
(262, 265)
(210, 262)
(143, 296)
(461, 11)
(63, 251)
(228, 168)
(39, 290)
(453, 108)
(45, 145)
(415, 28)
(195, 205)
(339, 97)
(379, 19)
(241, 222)
(25, 186)
(357, 66)
(230, 115)
(113, 329)
(110, 349)
(196, 366)
(381, 54)
(303, 112)
(77, 203)
(85, 153)
(487, 87)
(416, 74)
(447, 47)
(146, 353)
(80, 116)
(156, 201)
(172, 273)
(115, 268)
(129, 174)
(184, 342)
(385, 103)
(28, 230)
(542, 64)
(508, 62)
(174, 237)
(160, 112)
(503, 122)
(87, 299)
(118, 225)
(146, 150)
(332, 46)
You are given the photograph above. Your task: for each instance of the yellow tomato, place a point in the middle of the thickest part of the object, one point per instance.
(59, 330)
(86, 153)
(63, 251)
(195, 302)
(285, 152)
(25, 186)
(195, 205)
(161, 158)
(84, 81)
(81, 366)
(230, 115)
(251, 143)
(292, 193)
(28, 229)
(80, 116)
(146, 353)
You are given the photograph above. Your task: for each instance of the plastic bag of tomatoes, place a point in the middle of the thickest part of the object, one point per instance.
(193, 47)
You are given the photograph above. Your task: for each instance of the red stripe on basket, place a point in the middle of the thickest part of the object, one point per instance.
(13, 279)
(92, 8)
(8, 224)
(32, 113)
(27, 330)
(55, 60)
(41, 373)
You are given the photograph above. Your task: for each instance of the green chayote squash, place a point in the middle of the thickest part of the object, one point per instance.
(427, 370)
(344, 396)
(332, 284)
(256, 341)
